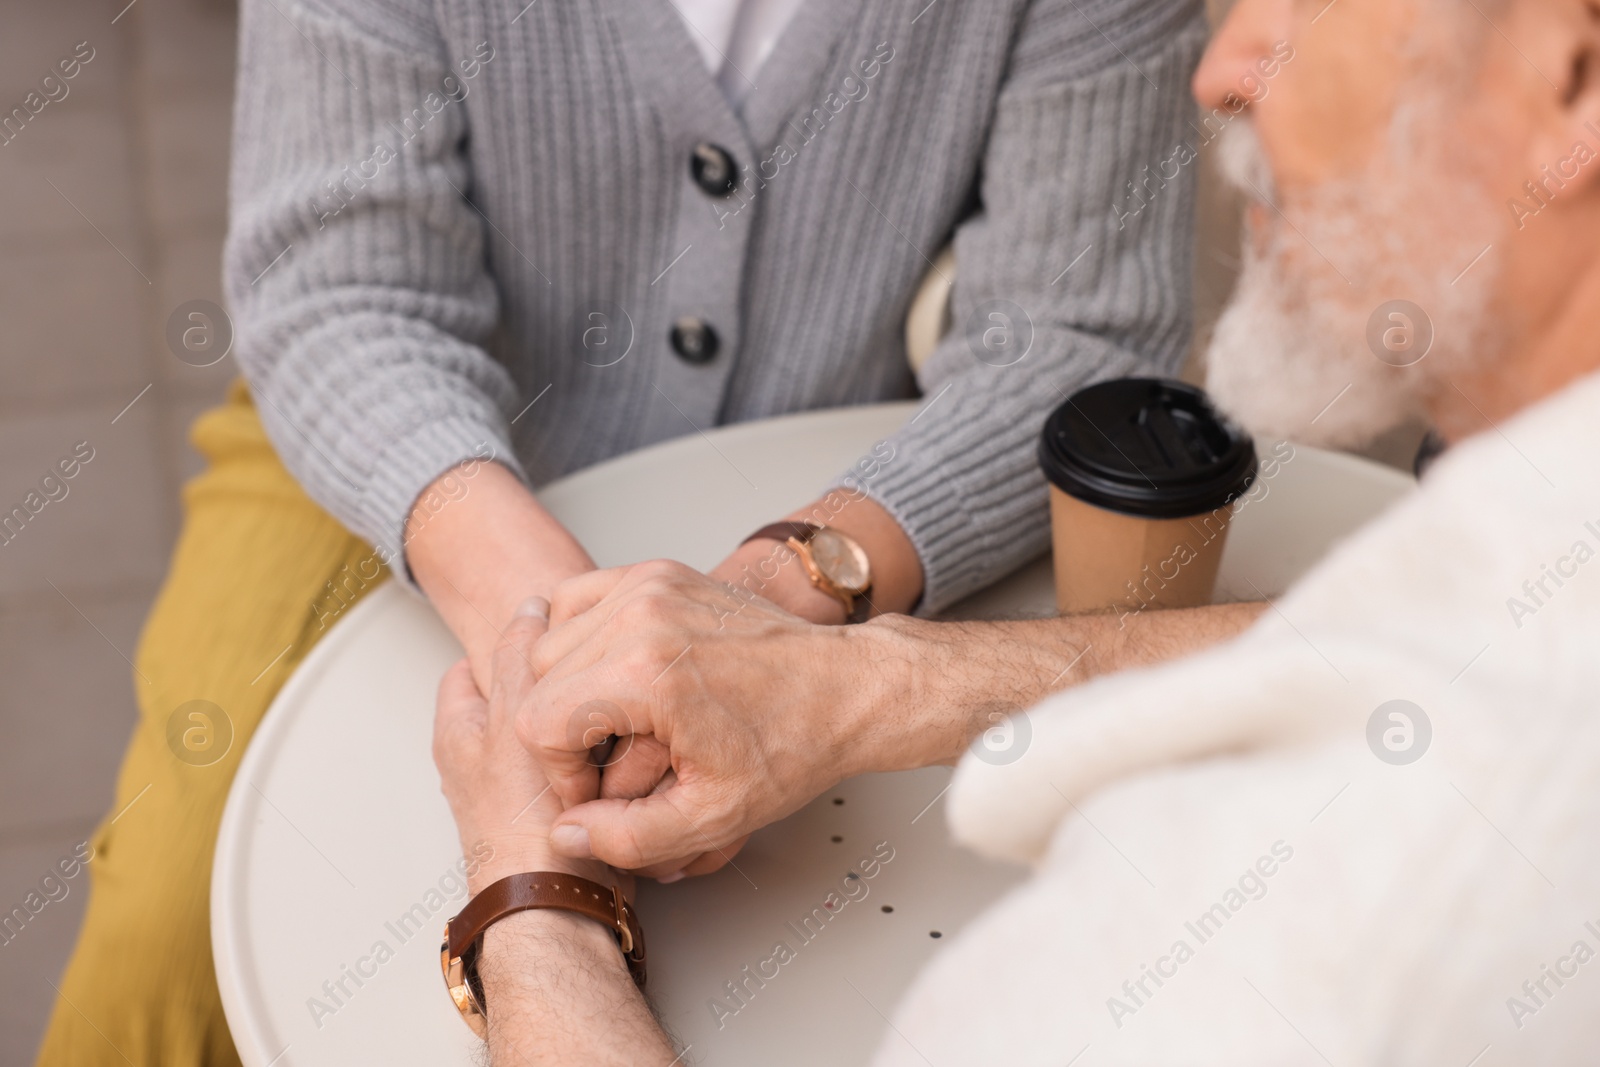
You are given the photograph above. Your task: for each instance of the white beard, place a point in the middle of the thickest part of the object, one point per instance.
(1290, 356)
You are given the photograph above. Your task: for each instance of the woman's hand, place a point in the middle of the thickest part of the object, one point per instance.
(479, 544)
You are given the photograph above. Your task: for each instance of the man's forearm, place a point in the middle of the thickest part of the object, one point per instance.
(558, 992)
(481, 555)
(940, 684)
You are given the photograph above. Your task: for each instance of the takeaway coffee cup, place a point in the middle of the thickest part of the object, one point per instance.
(1142, 473)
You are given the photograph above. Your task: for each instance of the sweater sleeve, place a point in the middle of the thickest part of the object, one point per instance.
(354, 263)
(1064, 278)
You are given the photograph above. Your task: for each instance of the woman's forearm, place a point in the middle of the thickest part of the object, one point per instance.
(486, 551)
(896, 568)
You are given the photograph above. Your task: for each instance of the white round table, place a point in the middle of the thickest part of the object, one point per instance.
(333, 875)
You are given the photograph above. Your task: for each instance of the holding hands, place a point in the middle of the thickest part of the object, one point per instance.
(671, 714)
(674, 713)
(729, 714)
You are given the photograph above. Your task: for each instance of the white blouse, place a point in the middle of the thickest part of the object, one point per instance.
(736, 36)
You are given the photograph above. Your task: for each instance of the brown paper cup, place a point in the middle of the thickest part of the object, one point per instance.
(1108, 561)
(1143, 473)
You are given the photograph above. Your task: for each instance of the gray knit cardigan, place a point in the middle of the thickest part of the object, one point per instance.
(444, 211)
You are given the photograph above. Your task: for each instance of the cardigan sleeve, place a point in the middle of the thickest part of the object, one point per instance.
(354, 263)
(1065, 277)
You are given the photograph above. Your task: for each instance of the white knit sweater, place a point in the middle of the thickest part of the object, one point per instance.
(1359, 912)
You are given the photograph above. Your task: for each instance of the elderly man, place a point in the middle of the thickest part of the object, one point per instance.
(1362, 832)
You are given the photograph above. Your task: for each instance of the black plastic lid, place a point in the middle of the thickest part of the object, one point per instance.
(1147, 447)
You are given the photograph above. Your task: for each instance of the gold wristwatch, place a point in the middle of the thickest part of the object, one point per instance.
(834, 561)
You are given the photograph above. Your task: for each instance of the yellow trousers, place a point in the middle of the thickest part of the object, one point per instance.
(247, 597)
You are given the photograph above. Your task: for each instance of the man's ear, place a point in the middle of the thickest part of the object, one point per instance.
(1571, 151)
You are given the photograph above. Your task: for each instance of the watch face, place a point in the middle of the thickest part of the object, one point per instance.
(841, 560)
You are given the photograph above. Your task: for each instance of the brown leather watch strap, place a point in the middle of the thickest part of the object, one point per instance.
(547, 889)
(782, 531)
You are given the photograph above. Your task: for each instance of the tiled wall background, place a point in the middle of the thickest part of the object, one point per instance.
(112, 211)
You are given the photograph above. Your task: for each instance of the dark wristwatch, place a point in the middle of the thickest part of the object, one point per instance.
(463, 935)
(835, 562)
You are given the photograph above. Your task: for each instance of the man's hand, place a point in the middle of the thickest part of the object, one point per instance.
(757, 711)
(499, 796)
(757, 708)
(773, 571)
(557, 990)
